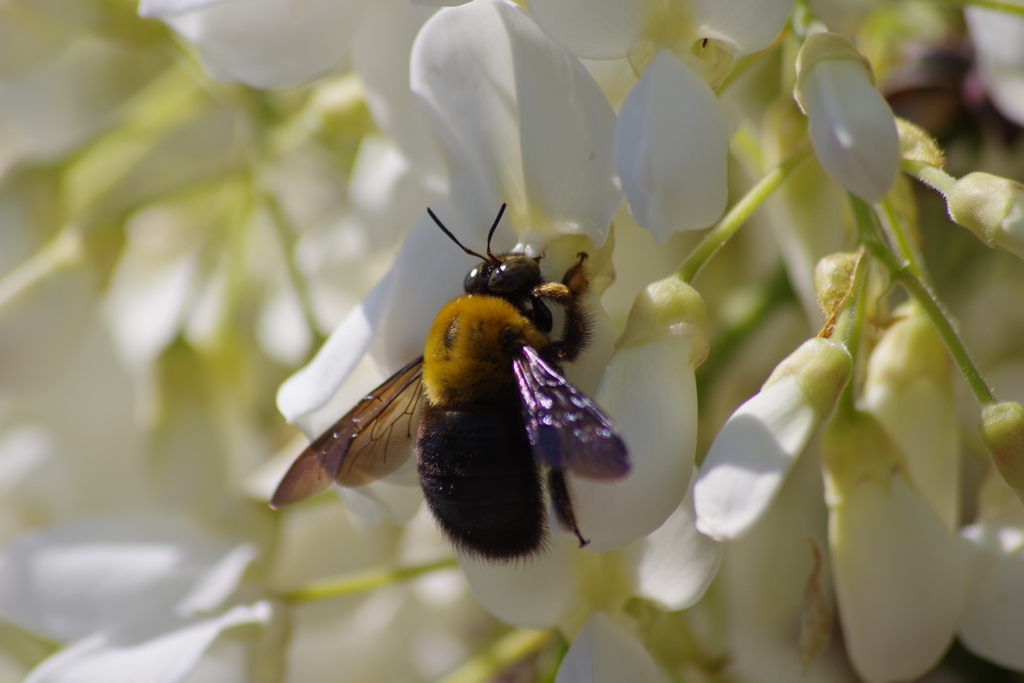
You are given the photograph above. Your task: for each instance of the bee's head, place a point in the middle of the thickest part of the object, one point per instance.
(504, 276)
(499, 275)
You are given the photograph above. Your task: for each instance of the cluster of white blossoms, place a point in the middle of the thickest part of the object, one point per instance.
(213, 214)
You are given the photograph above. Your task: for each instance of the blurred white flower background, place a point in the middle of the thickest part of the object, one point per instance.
(214, 241)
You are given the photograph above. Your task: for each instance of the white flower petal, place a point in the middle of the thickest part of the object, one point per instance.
(650, 392)
(164, 658)
(380, 55)
(678, 562)
(272, 43)
(48, 110)
(219, 581)
(670, 150)
(520, 121)
(750, 458)
(921, 420)
(158, 8)
(993, 623)
(852, 127)
(750, 25)
(763, 581)
(566, 133)
(604, 653)
(998, 38)
(909, 388)
(313, 385)
(429, 272)
(533, 593)
(900, 579)
(68, 581)
(23, 450)
(591, 29)
(397, 501)
(152, 282)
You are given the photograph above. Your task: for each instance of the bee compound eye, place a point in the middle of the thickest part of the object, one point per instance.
(471, 284)
(514, 274)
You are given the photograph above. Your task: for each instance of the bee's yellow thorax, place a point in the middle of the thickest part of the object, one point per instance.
(466, 358)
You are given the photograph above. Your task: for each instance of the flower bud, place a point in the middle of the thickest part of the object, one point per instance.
(852, 127)
(666, 308)
(857, 449)
(650, 391)
(761, 440)
(1002, 432)
(900, 577)
(821, 368)
(992, 208)
(833, 277)
(917, 145)
(909, 389)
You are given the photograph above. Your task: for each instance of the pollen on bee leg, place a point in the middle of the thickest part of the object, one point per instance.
(555, 291)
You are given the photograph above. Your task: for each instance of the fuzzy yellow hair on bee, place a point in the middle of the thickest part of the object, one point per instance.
(468, 354)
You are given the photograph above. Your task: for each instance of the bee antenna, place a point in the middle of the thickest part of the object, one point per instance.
(493, 228)
(452, 237)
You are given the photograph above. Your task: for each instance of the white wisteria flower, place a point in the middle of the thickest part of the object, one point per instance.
(138, 598)
(994, 618)
(650, 391)
(265, 43)
(991, 207)
(605, 653)
(671, 140)
(900, 574)
(909, 389)
(852, 127)
(519, 121)
(998, 39)
(564, 586)
(757, 446)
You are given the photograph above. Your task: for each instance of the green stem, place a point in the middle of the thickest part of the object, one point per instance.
(1003, 5)
(925, 296)
(508, 649)
(60, 252)
(363, 581)
(931, 176)
(284, 234)
(908, 250)
(741, 211)
(849, 325)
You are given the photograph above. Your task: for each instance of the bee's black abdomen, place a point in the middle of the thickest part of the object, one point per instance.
(480, 481)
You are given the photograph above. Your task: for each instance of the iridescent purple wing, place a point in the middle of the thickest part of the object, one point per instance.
(370, 442)
(567, 430)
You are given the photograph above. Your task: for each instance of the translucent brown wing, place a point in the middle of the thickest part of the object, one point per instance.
(567, 430)
(371, 441)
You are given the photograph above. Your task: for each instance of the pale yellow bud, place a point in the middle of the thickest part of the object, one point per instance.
(1002, 432)
(833, 277)
(666, 308)
(992, 208)
(917, 145)
(821, 368)
(857, 449)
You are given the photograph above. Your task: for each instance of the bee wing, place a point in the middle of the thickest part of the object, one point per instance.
(370, 442)
(567, 430)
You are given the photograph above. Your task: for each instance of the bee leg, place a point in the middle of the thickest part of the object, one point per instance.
(559, 491)
(576, 278)
(569, 294)
(541, 315)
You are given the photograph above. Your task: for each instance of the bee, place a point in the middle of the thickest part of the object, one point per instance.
(493, 420)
